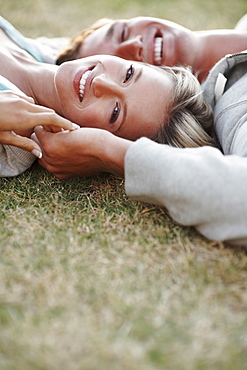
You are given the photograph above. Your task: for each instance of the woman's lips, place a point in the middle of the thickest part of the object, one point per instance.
(82, 84)
(80, 81)
(76, 81)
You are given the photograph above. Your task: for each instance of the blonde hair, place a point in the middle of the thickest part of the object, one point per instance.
(71, 51)
(190, 118)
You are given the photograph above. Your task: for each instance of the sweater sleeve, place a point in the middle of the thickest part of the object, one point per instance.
(14, 161)
(200, 187)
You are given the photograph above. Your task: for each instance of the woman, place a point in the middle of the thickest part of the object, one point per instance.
(129, 99)
(200, 187)
(158, 42)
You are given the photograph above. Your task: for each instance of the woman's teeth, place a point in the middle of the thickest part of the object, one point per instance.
(158, 50)
(82, 83)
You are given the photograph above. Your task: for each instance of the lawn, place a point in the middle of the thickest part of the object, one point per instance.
(92, 280)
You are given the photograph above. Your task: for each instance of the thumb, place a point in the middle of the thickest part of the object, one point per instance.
(10, 138)
(40, 130)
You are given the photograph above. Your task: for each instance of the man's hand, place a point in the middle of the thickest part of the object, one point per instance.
(84, 152)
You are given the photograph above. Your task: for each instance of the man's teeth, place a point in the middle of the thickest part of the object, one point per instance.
(83, 82)
(158, 50)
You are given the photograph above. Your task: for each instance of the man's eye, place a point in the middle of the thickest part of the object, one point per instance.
(129, 73)
(124, 33)
(115, 113)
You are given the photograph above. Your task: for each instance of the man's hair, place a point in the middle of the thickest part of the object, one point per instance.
(190, 118)
(70, 52)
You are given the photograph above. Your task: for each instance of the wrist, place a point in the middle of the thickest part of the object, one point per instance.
(115, 149)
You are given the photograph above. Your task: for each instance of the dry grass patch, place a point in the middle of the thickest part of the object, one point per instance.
(91, 279)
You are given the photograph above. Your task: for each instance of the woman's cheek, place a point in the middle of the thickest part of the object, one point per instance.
(91, 118)
(82, 117)
(74, 114)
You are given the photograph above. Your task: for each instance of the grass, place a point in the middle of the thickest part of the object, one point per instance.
(90, 279)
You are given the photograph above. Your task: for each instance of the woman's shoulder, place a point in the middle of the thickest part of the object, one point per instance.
(5, 84)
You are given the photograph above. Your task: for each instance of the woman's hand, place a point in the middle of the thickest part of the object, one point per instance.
(83, 152)
(19, 113)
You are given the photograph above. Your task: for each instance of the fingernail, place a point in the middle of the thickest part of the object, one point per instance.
(75, 126)
(37, 153)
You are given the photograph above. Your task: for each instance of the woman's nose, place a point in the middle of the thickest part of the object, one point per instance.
(104, 85)
(131, 49)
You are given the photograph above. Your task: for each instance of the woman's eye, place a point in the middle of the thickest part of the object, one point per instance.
(115, 113)
(129, 73)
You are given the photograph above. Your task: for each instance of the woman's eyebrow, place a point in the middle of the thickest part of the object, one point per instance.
(138, 75)
(125, 105)
(124, 117)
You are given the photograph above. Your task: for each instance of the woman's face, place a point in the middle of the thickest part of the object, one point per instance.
(151, 40)
(129, 99)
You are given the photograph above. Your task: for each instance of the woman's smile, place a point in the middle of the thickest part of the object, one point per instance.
(81, 82)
